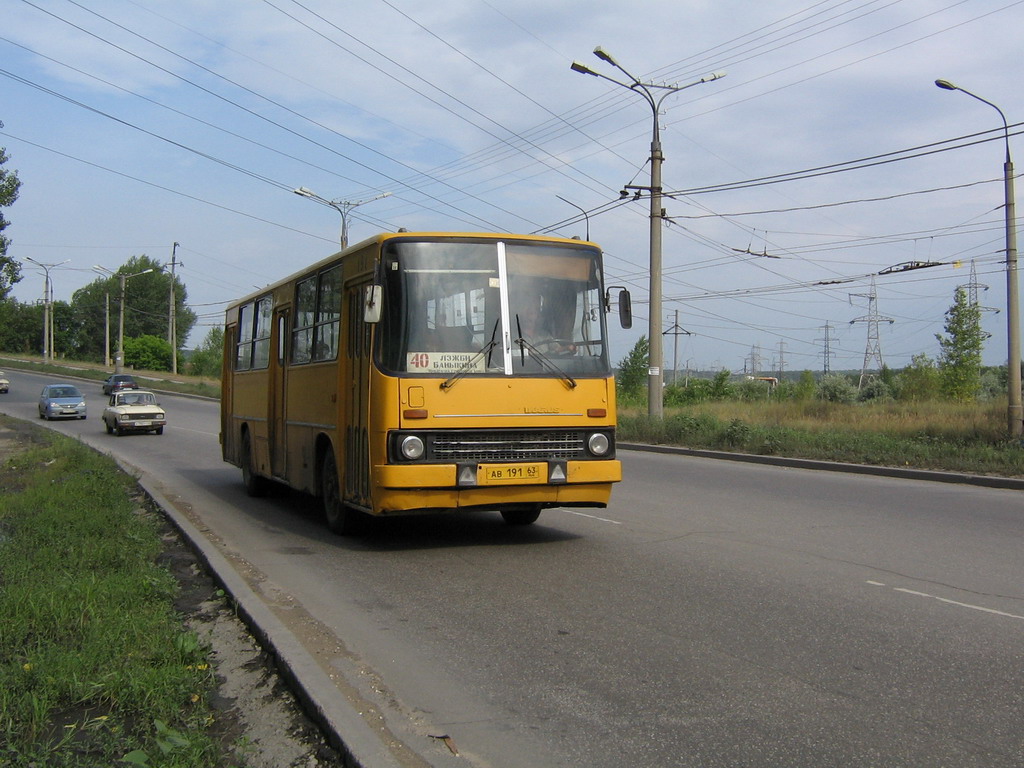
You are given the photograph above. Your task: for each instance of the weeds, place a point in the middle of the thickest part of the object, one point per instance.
(929, 435)
(94, 664)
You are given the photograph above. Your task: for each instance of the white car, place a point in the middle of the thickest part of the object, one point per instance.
(4, 383)
(134, 410)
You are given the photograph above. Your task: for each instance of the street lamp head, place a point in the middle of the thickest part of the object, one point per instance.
(583, 68)
(304, 191)
(946, 85)
(713, 76)
(603, 55)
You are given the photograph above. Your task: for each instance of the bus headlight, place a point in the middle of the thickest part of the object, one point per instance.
(598, 444)
(412, 447)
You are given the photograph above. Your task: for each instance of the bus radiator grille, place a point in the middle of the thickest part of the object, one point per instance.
(508, 445)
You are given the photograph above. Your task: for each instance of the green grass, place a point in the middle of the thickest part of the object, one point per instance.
(969, 438)
(96, 667)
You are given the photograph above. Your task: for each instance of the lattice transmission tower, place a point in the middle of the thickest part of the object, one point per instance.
(873, 350)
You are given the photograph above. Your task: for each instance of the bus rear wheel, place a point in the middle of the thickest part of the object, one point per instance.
(521, 515)
(340, 518)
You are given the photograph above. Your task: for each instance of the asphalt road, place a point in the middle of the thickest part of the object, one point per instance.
(716, 614)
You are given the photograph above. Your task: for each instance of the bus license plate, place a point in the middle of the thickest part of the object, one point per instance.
(505, 474)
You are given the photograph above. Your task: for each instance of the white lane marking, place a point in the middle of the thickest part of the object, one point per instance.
(962, 605)
(194, 431)
(947, 600)
(594, 517)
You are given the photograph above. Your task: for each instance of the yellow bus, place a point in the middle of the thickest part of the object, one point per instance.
(428, 372)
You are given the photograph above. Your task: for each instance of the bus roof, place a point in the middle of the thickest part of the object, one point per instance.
(380, 238)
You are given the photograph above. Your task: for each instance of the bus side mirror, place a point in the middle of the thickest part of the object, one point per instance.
(625, 309)
(625, 305)
(372, 303)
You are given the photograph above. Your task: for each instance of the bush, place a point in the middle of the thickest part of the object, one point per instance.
(149, 353)
(836, 388)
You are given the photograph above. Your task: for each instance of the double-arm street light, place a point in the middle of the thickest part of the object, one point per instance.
(654, 94)
(341, 206)
(1015, 413)
(48, 331)
(119, 358)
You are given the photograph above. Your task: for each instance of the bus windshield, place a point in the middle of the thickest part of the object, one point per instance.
(486, 308)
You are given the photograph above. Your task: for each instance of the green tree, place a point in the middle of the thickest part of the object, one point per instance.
(206, 360)
(10, 271)
(21, 326)
(919, 380)
(632, 376)
(146, 306)
(150, 353)
(960, 350)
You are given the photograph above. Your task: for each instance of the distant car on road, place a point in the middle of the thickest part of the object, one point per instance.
(134, 410)
(61, 401)
(4, 383)
(118, 382)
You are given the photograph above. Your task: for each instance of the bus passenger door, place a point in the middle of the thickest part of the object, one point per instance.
(355, 384)
(277, 422)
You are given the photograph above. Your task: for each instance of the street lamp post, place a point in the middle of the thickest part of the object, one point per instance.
(48, 331)
(1015, 412)
(119, 357)
(341, 206)
(654, 94)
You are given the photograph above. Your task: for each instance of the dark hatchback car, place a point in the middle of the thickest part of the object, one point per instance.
(117, 382)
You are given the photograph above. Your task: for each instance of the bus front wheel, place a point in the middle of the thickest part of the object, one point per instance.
(521, 515)
(340, 518)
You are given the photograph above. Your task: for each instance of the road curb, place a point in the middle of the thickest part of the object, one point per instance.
(1007, 483)
(344, 727)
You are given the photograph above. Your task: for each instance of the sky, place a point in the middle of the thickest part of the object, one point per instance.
(802, 184)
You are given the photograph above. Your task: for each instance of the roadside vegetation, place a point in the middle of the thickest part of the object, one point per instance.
(949, 414)
(96, 665)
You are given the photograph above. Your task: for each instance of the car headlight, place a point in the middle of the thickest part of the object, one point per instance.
(598, 444)
(412, 447)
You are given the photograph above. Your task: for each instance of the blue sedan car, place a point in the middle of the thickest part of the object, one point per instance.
(61, 401)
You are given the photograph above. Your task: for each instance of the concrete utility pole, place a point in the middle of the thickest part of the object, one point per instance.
(122, 279)
(873, 349)
(654, 94)
(172, 331)
(1015, 411)
(48, 332)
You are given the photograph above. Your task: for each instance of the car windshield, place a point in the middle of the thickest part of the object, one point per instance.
(58, 392)
(137, 398)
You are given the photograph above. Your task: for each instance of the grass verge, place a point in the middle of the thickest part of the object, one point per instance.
(939, 436)
(96, 667)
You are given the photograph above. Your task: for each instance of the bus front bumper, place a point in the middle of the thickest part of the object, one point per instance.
(431, 487)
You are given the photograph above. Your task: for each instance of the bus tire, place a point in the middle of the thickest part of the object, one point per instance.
(340, 518)
(254, 484)
(521, 515)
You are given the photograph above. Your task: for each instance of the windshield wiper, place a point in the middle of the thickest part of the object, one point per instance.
(471, 363)
(543, 359)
